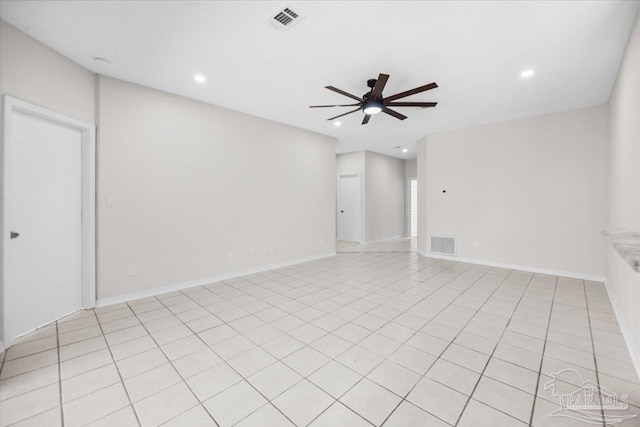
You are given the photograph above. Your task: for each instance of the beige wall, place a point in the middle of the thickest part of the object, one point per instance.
(385, 196)
(624, 185)
(194, 182)
(35, 73)
(350, 163)
(527, 192)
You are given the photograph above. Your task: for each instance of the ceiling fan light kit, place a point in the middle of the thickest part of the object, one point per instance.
(372, 107)
(373, 102)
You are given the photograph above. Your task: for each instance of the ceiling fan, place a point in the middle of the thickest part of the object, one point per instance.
(373, 102)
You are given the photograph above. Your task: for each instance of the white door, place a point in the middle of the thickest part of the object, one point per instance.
(44, 199)
(349, 211)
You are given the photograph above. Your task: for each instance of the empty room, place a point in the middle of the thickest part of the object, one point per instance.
(320, 213)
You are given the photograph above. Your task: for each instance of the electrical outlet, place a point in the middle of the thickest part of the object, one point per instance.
(131, 270)
(475, 244)
(229, 254)
(165, 265)
(253, 251)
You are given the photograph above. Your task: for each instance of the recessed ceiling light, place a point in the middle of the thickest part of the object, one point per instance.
(526, 74)
(337, 124)
(199, 78)
(404, 150)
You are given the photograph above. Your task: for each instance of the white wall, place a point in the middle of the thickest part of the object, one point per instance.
(411, 168)
(32, 72)
(624, 185)
(385, 197)
(410, 171)
(193, 182)
(422, 195)
(527, 192)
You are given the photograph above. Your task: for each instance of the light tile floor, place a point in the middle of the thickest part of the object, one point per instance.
(359, 339)
(404, 244)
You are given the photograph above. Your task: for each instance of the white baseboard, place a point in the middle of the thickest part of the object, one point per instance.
(384, 239)
(633, 351)
(571, 274)
(203, 281)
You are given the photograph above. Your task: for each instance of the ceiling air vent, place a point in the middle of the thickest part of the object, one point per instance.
(443, 245)
(285, 18)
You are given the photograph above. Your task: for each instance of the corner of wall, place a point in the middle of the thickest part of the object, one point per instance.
(421, 166)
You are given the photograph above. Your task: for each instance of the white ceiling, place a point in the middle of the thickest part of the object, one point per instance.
(474, 50)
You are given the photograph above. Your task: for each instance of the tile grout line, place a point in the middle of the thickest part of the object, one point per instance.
(593, 349)
(169, 361)
(133, 313)
(119, 375)
(451, 342)
(404, 398)
(3, 357)
(374, 331)
(59, 376)
(387, 358)
(269, 401)
(515, 309)
(544, 347)
(314, 286)
(280, 360)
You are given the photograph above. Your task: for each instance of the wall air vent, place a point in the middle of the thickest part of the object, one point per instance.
(443, 245)
(285, 18)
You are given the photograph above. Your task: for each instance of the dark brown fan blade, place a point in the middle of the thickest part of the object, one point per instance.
(376, 92)
(338, 105)
(341, 92)
(411, 104)
(393, 113)
(366, 119)
(411, 92)
(352, 111)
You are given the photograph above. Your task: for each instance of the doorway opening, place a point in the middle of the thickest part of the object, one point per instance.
(413, 207)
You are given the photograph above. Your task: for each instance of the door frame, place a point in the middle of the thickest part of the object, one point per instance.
(88, 204)
(339, 192)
